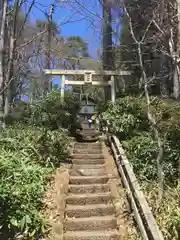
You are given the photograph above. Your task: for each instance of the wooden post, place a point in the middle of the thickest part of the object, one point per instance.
(62, 88)
(113, 90)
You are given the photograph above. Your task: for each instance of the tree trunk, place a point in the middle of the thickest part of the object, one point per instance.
(176, 75)
(107, 43)
(48, 83)
(1, 10)
(48, 57)
(176, 84)
(10, 79)
(164, 76)
(2, 81)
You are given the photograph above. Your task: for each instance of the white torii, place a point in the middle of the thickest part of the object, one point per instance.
(88, 78)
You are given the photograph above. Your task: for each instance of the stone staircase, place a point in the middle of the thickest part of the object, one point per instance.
(90, 212)
(89, 133)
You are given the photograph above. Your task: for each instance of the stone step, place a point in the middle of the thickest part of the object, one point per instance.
(88, 145)
(87, 171)
(76, 211)
(87, 151)
(89, 133)
(88, 161)
(88, 179)
(88, 166)
(87, 129)
(89, 136)
(89, 209)
(83, 199)
(92, 129)
(88, 188)
(88, 156)
(90, 223)
(92, 235)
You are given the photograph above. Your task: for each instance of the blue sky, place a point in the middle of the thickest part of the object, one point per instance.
(84, 20)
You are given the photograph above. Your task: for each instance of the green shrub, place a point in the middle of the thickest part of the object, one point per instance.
(165, 112)
(28, 155)
(128, 119)
(49, 112)
(43, 146)
(52, 114)
(22, 185)
(142, 151)
(129, 116)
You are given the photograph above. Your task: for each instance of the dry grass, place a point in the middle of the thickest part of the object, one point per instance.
(131, 230)
(166, 213)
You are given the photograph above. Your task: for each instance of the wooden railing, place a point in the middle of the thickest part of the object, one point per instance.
(144, 218)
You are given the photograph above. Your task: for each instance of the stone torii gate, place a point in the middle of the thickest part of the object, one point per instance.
(88, 78)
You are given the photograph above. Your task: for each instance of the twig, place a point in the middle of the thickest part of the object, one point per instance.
(149, 112)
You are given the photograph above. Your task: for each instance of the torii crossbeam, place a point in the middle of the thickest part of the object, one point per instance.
(88, 78)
